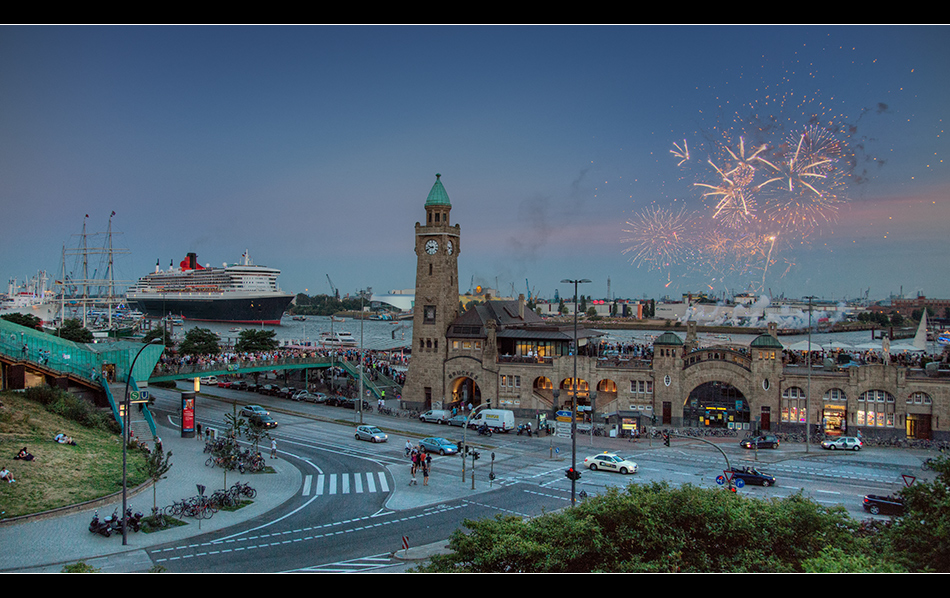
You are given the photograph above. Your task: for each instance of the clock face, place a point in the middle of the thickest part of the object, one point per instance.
(449, 247)
(431, 246)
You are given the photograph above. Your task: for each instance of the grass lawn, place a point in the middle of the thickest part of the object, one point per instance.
(61, 474)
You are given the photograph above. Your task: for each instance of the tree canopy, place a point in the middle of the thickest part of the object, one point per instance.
(256, 340)
(658, 528)
(199, 341)
(73, 330)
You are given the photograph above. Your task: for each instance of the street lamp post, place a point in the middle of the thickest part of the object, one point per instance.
(574, 394)
(126, 403)
(808, 386)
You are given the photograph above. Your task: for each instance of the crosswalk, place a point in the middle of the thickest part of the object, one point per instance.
(345, 483)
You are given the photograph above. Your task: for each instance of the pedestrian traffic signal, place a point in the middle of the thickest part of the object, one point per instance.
(666, 439)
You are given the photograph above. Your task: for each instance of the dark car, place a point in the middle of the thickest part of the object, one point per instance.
(762, 441)
(262, 420)
(353, 404)
(267, 389)
(883, 505)
(336, 400)
(751, 475)
(250, 387)
(286, 392)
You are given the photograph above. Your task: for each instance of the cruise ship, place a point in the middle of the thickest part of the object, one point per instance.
(241, 293)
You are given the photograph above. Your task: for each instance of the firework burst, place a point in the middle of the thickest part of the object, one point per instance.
(658, 238)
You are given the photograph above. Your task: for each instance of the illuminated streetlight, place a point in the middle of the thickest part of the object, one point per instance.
(574, 399)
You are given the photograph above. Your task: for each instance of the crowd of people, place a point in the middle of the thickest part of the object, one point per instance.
(421, 462)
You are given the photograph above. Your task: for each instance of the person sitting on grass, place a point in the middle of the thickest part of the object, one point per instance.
(5, 475)
(23, 455)
(63, 439)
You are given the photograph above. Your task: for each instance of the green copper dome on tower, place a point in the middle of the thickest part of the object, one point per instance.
(437, 195)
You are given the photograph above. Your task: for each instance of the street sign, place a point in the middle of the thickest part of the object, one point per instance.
(138, 396)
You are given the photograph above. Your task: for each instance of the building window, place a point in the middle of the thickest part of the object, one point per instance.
(876, 409)
(835, 395)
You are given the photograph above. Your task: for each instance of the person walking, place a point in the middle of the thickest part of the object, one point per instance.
(425, 471)
(273, 448)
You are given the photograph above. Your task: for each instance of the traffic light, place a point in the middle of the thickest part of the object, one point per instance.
(573, 474)
(666, 439)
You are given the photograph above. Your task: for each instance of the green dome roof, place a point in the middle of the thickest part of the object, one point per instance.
(437, 195)
(668, 338)
(766, 341)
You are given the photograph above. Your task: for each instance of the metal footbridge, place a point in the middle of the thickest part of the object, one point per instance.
(103, 371)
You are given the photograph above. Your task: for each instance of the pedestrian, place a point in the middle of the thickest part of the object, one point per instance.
(198, 435)
(158, 443)
(425, 472)
(273, 448)
(408, 448)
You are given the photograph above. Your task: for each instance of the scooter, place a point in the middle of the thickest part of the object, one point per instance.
(100, 526)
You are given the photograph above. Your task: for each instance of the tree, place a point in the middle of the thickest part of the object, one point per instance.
(656, 528)
(199, 341)
(256, 340)
(161, 333)
(156, 468)
(73, 330)
(920, 538)
(28, 320)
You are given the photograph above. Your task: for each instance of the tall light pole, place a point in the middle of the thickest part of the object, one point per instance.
(126, 405)
(808, 387)
(574, 393)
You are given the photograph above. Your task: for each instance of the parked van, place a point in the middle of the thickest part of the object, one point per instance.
(438, 416)
(499, 420)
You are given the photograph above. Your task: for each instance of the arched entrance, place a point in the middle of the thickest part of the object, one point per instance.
(463, 391)
(715, 405)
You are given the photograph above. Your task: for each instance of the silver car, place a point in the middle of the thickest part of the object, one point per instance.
(371, 433)
(843, 442)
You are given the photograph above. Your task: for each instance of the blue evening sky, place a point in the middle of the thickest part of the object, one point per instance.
(314, 149)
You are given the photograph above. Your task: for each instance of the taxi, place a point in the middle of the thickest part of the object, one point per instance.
(610, 462)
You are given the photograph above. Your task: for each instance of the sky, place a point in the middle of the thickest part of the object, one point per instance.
(651, 160)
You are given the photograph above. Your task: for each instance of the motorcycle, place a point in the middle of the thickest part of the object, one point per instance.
(524, 429)
(484, 430)
(133, 519)
(100, 526)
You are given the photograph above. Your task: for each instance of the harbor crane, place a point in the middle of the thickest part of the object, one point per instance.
(336, 292)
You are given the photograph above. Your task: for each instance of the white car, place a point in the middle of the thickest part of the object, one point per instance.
(843, 442)
(208, 380)
(371, 433)
(610, 462)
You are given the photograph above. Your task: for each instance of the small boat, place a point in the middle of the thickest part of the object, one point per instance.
(944, 337)
(300, 318)
(338, 339)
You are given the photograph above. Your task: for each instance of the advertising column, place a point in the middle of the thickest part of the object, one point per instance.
(187, 415)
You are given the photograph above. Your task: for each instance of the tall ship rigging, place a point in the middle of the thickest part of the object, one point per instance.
(242, 293)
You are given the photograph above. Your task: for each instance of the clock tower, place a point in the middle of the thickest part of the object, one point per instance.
(437, 300)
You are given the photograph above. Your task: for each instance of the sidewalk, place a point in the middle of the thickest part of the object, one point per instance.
(46, 544)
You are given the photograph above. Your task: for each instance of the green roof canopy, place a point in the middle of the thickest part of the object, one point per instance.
(437, 195)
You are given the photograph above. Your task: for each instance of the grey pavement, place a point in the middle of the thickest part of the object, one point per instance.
(45, 544)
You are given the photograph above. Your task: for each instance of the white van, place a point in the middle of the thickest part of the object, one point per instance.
(499, 420)
(439, 416)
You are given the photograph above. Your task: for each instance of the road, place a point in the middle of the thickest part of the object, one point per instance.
(349, 515)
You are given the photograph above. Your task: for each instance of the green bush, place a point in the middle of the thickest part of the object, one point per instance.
(71, 407)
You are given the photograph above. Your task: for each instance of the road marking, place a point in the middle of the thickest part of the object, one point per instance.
(346, 483)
